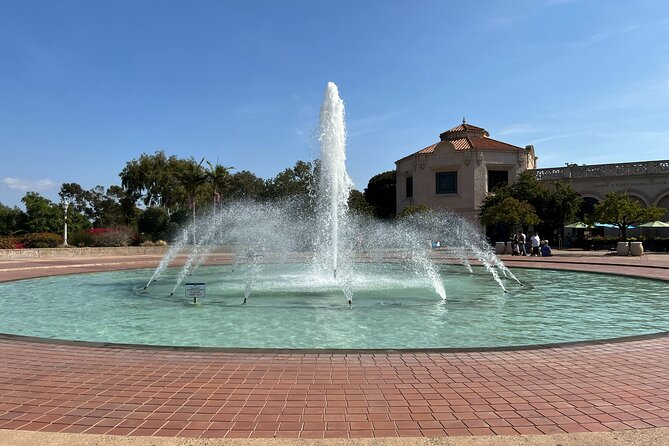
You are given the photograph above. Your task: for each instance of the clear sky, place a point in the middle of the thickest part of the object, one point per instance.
(86, 86)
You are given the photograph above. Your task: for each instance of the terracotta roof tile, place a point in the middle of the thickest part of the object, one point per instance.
(465, 127)
(428, 149)
(492, 144)
(468, 137)
(461, 143)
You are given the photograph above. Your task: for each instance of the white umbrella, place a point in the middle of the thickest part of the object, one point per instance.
(655, 224)
(578, 225)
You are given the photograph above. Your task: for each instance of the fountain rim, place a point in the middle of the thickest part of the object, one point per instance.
(437, 263)
(331, 351)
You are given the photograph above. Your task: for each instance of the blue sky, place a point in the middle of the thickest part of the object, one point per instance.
(86, 86)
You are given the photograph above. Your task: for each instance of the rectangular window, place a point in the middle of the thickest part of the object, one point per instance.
(409, 187)
(497, 178)
(447, 182)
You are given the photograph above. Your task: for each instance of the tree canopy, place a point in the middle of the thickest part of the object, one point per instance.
(551, 205)
(622, 211)
(510, 211)
(380, 193)
(158, 191)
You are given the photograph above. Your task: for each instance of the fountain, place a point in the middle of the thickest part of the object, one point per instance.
(296, 262)
(326, 237)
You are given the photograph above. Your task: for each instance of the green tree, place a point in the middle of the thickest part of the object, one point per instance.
(509, 211)
(528, 188)
(154, 180)
(299, 180)
(127, 211)
(622, 211)
(245, 185)
(12, 220)
(380, 193)
(153, 222)
(79, 199)
(101, 207)
(358, 205)
(191, 176)
(554, 205)
(562, 206)
(219, 177)
(43, 215)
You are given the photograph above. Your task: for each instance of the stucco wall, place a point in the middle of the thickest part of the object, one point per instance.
(647, 181)
(471, 167)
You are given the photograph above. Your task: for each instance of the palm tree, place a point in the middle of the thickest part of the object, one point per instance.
(191, 176)
(219, 177)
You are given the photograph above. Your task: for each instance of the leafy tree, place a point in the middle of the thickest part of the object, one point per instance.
(126, 210)
(12, 220)
(43, 215)
(191, 176)
(153, 222)
(299, 180)
(380, 193)
(622, 211)
(528, 188)
(554, 205)
(357, 203)
(246, 185)
(218, 177)
(562, 206)
(101, 208)
(510, 211)
(153, 179)
(78, 198)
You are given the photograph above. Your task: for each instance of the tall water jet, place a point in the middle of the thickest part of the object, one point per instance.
(280, 232)
(335, 184)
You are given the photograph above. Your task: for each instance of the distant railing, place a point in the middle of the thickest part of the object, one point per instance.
(603, 170)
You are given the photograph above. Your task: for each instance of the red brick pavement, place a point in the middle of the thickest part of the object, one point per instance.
(65, 387)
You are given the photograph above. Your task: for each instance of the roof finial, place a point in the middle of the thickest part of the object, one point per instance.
(463, 120)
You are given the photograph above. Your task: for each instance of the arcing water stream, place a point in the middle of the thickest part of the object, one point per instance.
(330, 239)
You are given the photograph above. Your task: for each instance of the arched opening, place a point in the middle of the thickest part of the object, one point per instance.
(639, 200)
(664, 203)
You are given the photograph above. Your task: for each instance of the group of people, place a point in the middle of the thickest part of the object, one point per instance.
(539, 248)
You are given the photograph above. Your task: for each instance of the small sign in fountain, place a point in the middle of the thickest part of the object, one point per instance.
(195, 291)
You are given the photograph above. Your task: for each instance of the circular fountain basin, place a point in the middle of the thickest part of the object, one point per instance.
(289, 307)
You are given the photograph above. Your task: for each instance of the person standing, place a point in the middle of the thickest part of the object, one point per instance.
(522, 242)
(535, 241)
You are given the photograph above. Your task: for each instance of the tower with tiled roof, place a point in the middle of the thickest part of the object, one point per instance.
(459, 170)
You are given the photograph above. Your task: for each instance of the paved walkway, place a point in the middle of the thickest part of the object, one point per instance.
(98, 389)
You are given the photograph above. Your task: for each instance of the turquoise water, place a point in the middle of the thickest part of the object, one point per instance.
(290, 308)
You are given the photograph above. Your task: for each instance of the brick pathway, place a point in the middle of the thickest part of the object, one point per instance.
(65, 387)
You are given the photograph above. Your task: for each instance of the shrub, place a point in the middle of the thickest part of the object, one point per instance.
(80, 239)
(156, 243)
(153, 222)
(120, 236)
(8, 243)
(41, 240)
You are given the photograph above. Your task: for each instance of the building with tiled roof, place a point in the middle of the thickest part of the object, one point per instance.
(458, 171)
